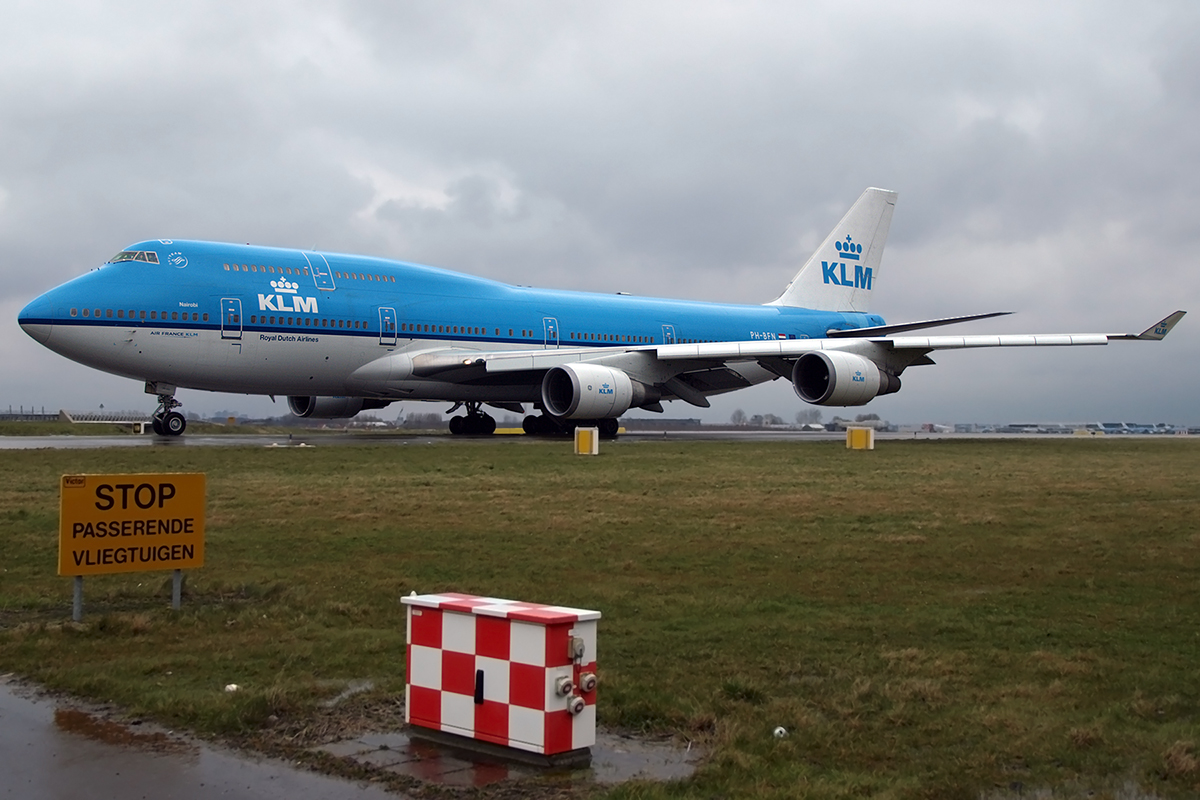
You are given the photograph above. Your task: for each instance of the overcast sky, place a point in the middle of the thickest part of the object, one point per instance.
(1047, 157)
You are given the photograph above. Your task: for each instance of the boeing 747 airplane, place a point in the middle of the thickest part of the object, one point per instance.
(339, 334)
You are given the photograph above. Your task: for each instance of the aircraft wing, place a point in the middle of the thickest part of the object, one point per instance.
(694, 370)
(525, 360)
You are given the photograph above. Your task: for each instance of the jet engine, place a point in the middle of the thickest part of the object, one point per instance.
(591, 391)
(333, 407)
(834, 378)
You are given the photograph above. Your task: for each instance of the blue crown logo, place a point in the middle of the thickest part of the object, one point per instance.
(848, 249)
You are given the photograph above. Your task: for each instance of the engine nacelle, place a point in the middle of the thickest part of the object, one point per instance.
(591, 391)
(834, 378)
(333, 407)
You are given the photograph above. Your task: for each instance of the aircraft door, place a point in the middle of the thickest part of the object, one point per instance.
(321, 274)
(550, 329)
(231, 318)
(668, 334)
(387, 326)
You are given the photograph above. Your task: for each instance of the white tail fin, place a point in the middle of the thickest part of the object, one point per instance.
(842, 273)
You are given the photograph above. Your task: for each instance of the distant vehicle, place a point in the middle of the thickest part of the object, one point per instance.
(339, 334)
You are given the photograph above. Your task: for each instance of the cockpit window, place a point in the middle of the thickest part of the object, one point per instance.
(148, 256)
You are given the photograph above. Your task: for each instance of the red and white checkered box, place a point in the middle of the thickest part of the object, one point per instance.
(496, 670)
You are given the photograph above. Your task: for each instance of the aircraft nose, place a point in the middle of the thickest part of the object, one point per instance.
(36, 320)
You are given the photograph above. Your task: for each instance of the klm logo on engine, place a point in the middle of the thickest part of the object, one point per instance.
(605, 389)
(835, 271)
(858, 377)
(290, 302)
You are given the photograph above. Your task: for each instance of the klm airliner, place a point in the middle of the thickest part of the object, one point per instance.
(338, 334)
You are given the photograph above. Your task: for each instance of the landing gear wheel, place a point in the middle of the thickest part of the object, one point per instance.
(165, 420)
(546, 425)
(475, 423)
(174, 424)
(608, 428)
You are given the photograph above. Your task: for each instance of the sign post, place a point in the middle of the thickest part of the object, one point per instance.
(130, 523)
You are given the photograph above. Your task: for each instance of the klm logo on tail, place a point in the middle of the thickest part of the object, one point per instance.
(835, 271)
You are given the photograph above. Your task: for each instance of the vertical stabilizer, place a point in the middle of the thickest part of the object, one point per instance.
(841, 275)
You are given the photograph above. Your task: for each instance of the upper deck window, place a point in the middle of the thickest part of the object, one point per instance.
(149, 256)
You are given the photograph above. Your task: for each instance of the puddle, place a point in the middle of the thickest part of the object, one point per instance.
(615, 759)
(74, 720)
(52, 750)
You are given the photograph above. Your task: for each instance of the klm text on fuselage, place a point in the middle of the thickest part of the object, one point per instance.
(275, 302)
(835, 272)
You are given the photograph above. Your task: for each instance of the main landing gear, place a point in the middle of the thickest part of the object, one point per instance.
(546, 425)
(165, 420)
(475, 423)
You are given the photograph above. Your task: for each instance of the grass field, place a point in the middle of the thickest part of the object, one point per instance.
(930, 619)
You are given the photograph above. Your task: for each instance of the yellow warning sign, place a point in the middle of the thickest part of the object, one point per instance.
(130, 523)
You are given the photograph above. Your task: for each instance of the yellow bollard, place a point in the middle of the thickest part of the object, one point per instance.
(587, 441)
(860, 438)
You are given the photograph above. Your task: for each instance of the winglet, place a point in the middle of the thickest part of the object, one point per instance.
(1160, 329)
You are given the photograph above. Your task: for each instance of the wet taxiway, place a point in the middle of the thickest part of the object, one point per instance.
(308, 439)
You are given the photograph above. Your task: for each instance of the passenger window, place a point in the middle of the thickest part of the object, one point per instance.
(153, 315)
(97, 312)
(174, 315)
(108, 313)
(87, 312)
(74, 312)
(142, 314)
(205, 316)
(227, 268)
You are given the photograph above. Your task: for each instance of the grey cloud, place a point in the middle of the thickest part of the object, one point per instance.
(1044, 155)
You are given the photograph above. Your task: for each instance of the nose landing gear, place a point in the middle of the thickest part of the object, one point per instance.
(165, 420)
